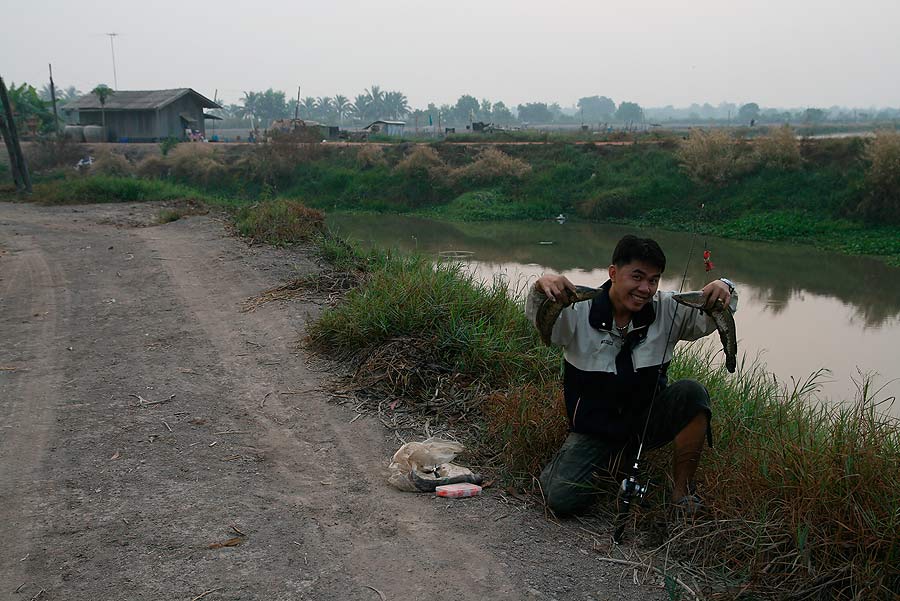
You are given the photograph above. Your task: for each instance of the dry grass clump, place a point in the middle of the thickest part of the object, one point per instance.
(492, 164)
(710, 157)
(50, 153)
(179, 209)
(530, 419)
(801, 495)
(424, 159)
(882, 198)
(611, 203)
(279, 222)
(274, 162)
(369, 156)
(195, 163)
(152, 167)
(779, 149)
(107, 162)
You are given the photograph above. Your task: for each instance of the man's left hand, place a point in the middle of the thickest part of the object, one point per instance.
(715, 291)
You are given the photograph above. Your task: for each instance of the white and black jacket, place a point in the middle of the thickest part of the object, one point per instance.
(609, 379)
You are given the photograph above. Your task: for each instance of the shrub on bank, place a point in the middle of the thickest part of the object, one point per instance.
(484, 205)
(613, 203)
(369, 156)
(275, 163)
(779, 149)
(152, 167)
(279, 222)
(881, 200)
(111, 164)
(423, 160)
(710, 157)
(51, 153)
(195, 163)
(491, 165)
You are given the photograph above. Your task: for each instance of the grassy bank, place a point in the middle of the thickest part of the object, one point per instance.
(803, 499)
(827, 193)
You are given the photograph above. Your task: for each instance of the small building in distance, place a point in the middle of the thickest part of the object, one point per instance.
(390, 128)
(143, 116)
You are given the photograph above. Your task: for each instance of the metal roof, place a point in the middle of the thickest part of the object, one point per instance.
(138, 100)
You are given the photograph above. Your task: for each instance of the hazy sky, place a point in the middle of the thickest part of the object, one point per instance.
(789, 53)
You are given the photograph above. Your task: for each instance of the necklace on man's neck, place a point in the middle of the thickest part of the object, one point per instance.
(622, 329)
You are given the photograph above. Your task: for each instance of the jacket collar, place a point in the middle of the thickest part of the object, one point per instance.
(601, 314)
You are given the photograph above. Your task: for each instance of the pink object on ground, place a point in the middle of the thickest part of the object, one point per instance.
(463, 489)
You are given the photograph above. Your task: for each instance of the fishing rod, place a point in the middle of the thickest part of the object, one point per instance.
(631, 490)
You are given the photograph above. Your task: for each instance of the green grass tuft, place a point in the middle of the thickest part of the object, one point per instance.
(279, 222)
(100, 188)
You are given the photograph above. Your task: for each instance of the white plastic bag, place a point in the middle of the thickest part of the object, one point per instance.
(421, 466)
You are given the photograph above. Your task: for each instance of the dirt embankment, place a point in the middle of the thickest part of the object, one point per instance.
(158, 443)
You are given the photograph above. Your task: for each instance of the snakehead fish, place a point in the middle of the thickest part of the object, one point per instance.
(423, 484)
(549, 309)
(724, 319)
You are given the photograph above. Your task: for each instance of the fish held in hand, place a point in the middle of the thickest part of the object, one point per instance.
(549, 309)
(724, 319)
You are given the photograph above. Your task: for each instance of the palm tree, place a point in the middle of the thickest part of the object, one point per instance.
(376, 99)
(326, 107)
(309, 105)
(363, 106)
(341, 107)
(251, 104)
(70, 93)
(396, 105)
(102, 92)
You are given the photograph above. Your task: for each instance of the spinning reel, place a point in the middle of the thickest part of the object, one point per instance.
(631, 492)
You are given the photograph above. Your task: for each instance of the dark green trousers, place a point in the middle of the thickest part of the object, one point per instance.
(570, 481)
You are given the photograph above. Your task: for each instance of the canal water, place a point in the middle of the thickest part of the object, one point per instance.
(800, 309)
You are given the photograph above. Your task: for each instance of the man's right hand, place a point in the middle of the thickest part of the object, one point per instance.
(554, 286)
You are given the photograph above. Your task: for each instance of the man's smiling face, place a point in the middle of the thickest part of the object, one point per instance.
(633, 285)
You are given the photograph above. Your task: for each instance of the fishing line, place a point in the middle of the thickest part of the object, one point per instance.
(630, 484)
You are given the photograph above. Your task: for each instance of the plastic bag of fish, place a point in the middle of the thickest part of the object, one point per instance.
(423, 466)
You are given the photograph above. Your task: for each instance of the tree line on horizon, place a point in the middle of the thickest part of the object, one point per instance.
(260, 108)
(376, 103)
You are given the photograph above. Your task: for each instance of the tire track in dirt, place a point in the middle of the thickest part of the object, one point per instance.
(374, 533)
(28, 315)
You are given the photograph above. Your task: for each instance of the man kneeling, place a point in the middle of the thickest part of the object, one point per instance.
(617, 352)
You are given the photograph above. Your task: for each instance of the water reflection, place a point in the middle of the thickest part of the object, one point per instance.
(802, 309)
(778, 272)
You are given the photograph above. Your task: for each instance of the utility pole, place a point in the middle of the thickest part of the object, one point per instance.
(112, 47)
(11, 136)
(53, 98)
(297, 106)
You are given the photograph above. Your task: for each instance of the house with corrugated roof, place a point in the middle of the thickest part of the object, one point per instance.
(390, 128)
(143, 116)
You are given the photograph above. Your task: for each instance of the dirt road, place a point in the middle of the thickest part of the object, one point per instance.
(146, 418)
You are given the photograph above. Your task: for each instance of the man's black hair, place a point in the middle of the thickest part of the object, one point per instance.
(631, 248)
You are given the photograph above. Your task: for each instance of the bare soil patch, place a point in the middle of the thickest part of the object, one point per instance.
(158, 442)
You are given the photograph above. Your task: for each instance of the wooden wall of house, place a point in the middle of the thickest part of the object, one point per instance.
(135, 126)
(170, 116)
